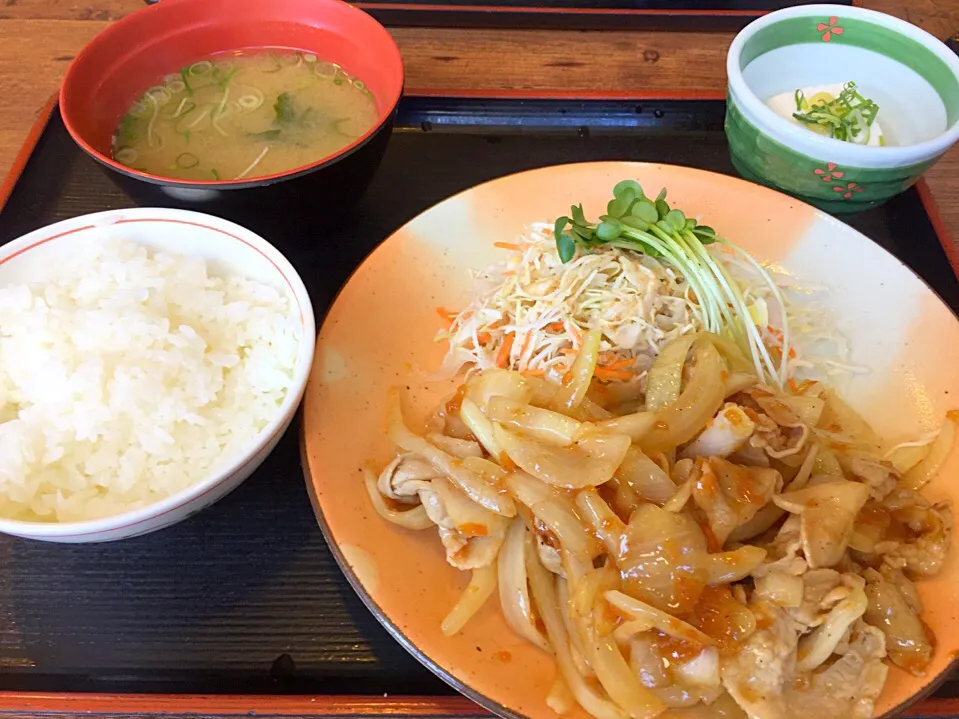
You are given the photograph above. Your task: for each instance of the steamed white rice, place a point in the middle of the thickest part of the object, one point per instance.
(129, 376)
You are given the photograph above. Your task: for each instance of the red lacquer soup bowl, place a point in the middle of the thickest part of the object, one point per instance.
(118, 65)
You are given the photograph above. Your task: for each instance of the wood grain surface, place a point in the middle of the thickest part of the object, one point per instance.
(38, 38)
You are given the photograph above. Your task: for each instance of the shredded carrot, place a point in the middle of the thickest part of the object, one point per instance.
(484, 336)
(527, 338)
(534, 372)
(446, 315)
(608, 373)
(778, 353)
(502, 357)
(779, 336)
(619, 364)
(507, 245)
(556, 327)
(793, 386)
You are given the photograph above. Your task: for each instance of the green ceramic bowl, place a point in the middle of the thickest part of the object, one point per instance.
(912, 76)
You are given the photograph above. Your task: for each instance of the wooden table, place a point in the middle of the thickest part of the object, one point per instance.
(38, 38)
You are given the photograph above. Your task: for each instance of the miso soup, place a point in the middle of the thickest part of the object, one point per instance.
(244, 115)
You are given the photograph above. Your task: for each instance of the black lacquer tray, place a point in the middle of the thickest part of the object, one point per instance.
(577, 14)
(245, 598)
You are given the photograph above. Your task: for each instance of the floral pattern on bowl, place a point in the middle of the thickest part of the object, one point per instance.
(827, 185)
(822, 44)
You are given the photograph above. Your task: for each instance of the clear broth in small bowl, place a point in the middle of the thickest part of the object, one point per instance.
(243, 115)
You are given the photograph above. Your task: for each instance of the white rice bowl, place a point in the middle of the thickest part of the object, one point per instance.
(135, 374)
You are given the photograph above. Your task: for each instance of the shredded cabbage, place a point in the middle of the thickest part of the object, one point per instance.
(532, 313)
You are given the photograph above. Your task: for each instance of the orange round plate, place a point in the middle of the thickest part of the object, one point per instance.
(380, 332)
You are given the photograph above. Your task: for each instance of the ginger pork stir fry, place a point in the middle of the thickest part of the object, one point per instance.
(704, 541)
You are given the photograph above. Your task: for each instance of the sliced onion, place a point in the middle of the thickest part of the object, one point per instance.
(627, 631)
(739, 382)
(492, 473)
(620, 683)
(826, 462)
(635, 426)
(603, 521)
(415, 518)
(543, 588)
(482, 585)
(541, 424)
(726, 567)
(496, 382)
(662, 559)
(805, 469)
(837, 412)
(664, 622)
(588, 463)
(470, 482)
(480, 426)
(682, 495)
(920, 475)
(572, 392)
(699, 402)
(645, 660)
(665, 377)
(556, 512)
(560, 699)
(624, 499)
(513, 587)
(586, 591)
(905, 457)
(460, 448)
(646, 478)
(576, 646)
